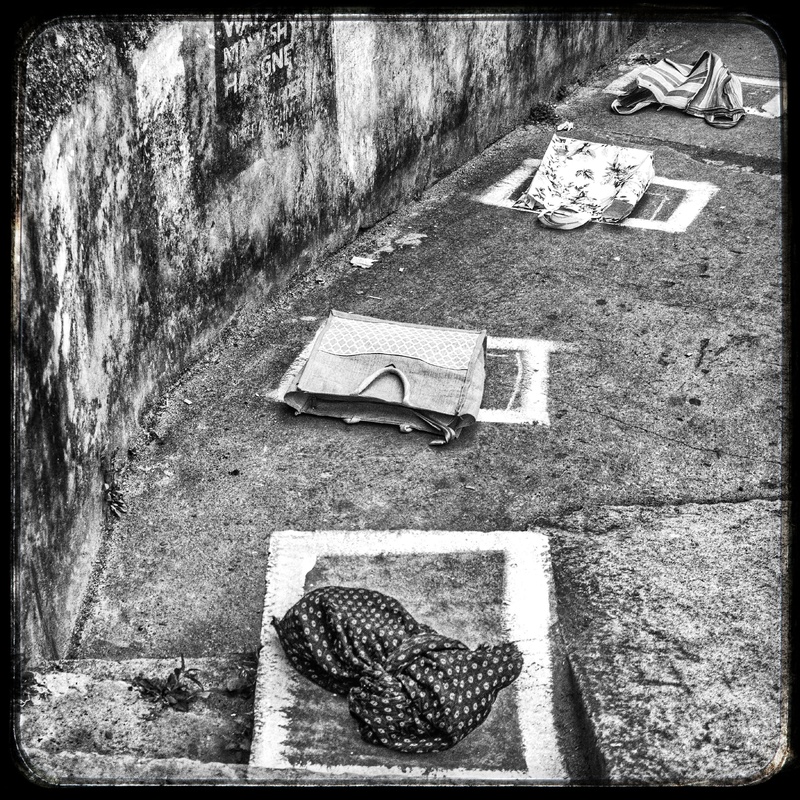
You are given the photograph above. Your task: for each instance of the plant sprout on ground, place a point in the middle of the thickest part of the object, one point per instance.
(177, 690)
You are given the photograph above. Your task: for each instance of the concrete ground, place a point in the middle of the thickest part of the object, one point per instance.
(656, 471)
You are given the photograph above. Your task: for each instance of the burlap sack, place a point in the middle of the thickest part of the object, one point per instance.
(364, 369)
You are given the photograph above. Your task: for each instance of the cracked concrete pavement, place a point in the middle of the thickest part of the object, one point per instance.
(659, 478)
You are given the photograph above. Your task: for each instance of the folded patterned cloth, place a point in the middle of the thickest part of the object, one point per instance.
(409, 688)
(431, 692)
(334, 633)
(704, 89)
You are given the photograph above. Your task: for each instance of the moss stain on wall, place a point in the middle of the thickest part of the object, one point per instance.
(173, 169)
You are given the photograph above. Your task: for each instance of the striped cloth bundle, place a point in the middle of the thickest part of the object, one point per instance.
(704, 89)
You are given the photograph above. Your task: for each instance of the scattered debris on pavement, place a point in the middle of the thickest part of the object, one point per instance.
(115, 498)
(543, 113)
(639, 58)
(411, 239)
(365, 262)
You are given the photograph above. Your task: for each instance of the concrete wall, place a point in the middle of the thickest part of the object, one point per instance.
(174, 169)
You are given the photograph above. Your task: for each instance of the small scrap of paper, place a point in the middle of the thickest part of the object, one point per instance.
(566, 126)
(365, 262)
(411, 239)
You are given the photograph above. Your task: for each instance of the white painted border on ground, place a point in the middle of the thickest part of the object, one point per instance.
(771, 109)
(292, 554)
(697, 195)
(499, 193)
(528, 401)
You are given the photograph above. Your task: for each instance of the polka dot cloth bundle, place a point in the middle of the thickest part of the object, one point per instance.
(409, 688)
(334, 633)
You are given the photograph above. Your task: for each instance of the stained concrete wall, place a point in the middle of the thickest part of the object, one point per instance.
(173, 169)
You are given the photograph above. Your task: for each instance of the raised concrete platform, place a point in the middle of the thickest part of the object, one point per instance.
(86, 722)
(475, 586)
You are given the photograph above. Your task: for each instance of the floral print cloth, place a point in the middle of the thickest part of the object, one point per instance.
(408, 687)
(596, 181)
